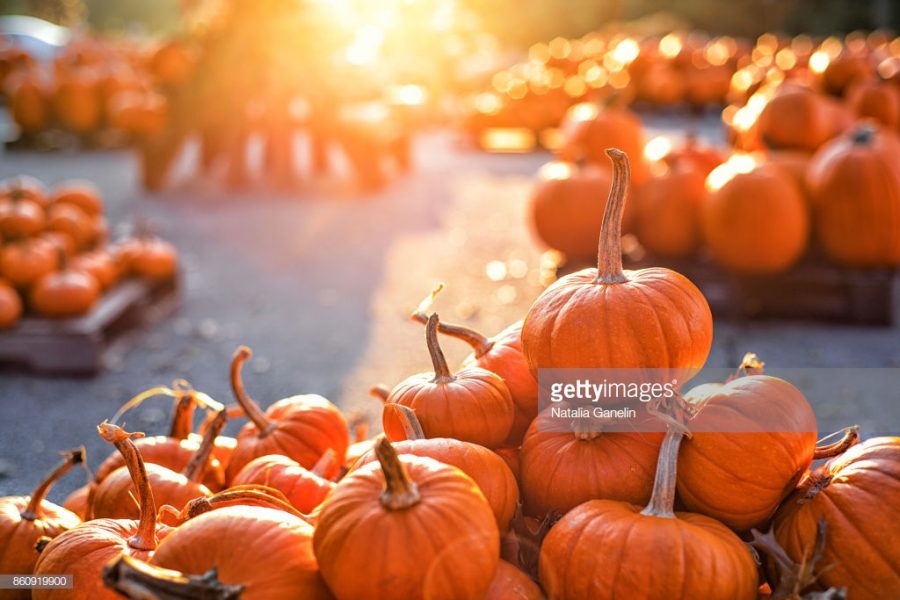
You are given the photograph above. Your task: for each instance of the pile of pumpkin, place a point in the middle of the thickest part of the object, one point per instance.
(469, 495)
(810, 174)
(55, 259)
(94, 86)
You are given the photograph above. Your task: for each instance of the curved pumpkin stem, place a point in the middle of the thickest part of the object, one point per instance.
(251, 408)
(442, 372)
(380, 391)
(412, 428)
(609, 254)
(239, 495)
(145, 537)
(139, 398)
(196, 467)
(34, 510)
(183, 412)
(400, 492)
(326, 463)
(480, 344)
(133, 578)
(849, 439)
(662, 502)
(793, 577)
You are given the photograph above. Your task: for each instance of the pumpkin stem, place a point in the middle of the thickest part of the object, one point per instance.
(34, 510)
(412, 428)
(133, 578)
(609, 254)
(751, 364)
(196, 468)
(251, 408)
(584, 432)
(325, 464)
(161, 390)
(442, 372)
(41, 543)
(183, 411)
(793, 577)
(238, 495)
(863, 135)
(849, 439)
(380, 391)
(479, 343)
(662, 502)
(145, 537)
(400, 492)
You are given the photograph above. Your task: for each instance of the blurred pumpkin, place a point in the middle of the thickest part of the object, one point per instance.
(669, 211)
(101, 265)
(173, 63)
(10, 306)
(71, 220)
(80, 193)
(65, 293)
(76, 101)
(28, 103)
(20, 217)
(798, 118)
(23, 263)
(877, 100)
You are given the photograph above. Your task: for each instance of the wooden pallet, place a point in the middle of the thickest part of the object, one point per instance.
(77, 346)
(811, 290)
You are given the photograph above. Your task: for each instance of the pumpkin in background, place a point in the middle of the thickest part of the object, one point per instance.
(64, 294)
(662, 85)
(707, 85)
(669, 211)
(76, 101)
(510, 583)
(83, 551)
(605, 549)
(10, 306)
(100, 265)
(760, 432)
(148, 256)
(691, 153)
(438, 537)
(500, 354)
(566, 208)
(22, 263)
(173, 64)
(857, 494)
(302, 427)
(79, 193)
(854, 182)
(472, 405)
(561, 469)
(72, 221)
(28, 103)
(20, 216)
(877, 100)
(24, 187)
(25, 519)
(797, 118)
(139, 113)
(487, 469)
(845, 70)
(79, 502)
(755, 218)
(304, 489)
(610, 318)
(590, 130)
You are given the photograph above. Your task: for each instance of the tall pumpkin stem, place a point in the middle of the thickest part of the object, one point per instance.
(400, 492)
(251, 408)
(409, 421)
(442, 372)
(145, 537)
(183, 412)
(34, 510)
(196, 467)
(662, 502)
(609, 253)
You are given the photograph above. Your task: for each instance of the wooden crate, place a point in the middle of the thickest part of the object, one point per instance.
(77, 346)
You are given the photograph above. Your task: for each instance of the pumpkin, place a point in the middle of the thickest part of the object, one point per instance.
(590, 130)
(64, 294)
(755, 218)
(79, 501)
(24, 262)
(304, 489)
(692, 153)
(82, 194)
(100, 265)
(797, 118)
(24, 187)
(82, 551)
(707, 85)
(486, 468)
(28, 103)
(662, 85)
(10, 306)
(854, 183)
(877, 100)
(669, 219)
(136, 579)
(857, 495)
(73, 221)
(241, 495)
(610, 318)
(438, 537)
(173, 64)
(473, 405)
(301, 427)
(76, 101)
(138, 113)
(500, 354)
(843, 71)
(25, 519)
(149, 256)
(510, 583)
(760, 432)
(566, 208)
(20, 217)
(609, 549)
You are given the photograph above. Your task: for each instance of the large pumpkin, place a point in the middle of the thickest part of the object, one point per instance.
(755, 218)
(796, 118)
(407, 528)
(854, 182)
(607, 549)
(857, 495)
(473, 405)
(610, 318)
(760, 432)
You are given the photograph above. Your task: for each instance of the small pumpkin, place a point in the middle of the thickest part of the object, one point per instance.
(854, 183)
(669, 217)
(99, 264)
(511, 583)
(25, 519)
(610, 318)
(80, 193)
(76, 101)
(20, 217)
(72, 221)
(473, 405)
(149, 256)
(10, 306)
(64, 294)
(302, 427)
(28, 103)
(304, 489)
(439, 539)
(857, 495)
(608, 549)
(24, 262)
(24, 187)
(874, 99)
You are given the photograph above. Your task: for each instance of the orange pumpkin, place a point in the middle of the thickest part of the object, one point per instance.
(28, 103)
(173, 63)
(510, 583)
(141, 114)
(669, 217)
(439, 536)
(24, 187)
(845, 70)
(79, 502)
(610, 318)
(662, 85)
(64, 294)
(71, 220)
(20, 217)
(755, 219)
(10, 306)
(79, 193)
(473, 405)
(877, 100)
(23, 263)
(149, 256)
(76, 101)
(854, 182)
(304, 489)
(796, 118)
(100, 265)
